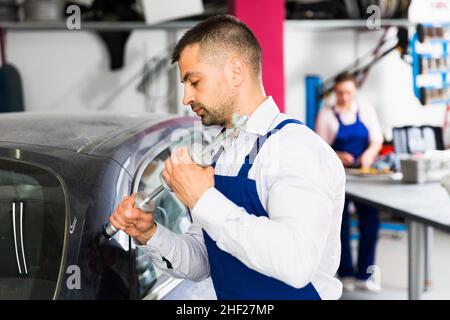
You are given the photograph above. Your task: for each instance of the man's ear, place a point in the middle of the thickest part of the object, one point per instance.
(239, 71)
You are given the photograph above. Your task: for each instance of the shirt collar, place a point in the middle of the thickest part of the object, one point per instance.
(353, 108)
(262, 118)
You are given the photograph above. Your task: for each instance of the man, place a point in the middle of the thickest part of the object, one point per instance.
(265, 226)
(353, 131)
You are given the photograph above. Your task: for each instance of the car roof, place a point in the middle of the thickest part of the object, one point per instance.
(78, 132)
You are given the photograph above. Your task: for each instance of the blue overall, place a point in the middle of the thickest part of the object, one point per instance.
(354, 139)
(231, 278)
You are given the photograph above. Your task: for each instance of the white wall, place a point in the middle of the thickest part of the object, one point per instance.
(326, 52)
(68, 71)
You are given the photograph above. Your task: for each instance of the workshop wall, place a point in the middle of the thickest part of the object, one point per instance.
(64, 71)
(388, 87)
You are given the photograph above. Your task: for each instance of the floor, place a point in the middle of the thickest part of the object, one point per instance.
(392, 257)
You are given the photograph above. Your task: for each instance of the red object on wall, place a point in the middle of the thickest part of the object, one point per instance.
(266, 19)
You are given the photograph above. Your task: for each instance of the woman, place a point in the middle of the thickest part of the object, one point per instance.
(353, 131)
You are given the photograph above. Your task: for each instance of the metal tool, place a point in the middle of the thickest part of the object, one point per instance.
(204, 159)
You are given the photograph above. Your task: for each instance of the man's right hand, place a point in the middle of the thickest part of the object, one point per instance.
(132, 221)
(346, 158)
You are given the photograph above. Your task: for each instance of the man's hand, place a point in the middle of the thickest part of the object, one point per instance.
(188, 180)
(132, 221)
(346, 158)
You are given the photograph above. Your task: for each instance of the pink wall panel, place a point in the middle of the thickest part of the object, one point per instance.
(266, 19)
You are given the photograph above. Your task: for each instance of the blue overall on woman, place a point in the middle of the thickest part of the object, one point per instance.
(231, 278)
(354, 139)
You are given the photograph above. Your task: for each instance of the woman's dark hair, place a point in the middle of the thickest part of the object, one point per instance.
(345, 77)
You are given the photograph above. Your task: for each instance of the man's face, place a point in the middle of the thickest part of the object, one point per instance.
(206, 89)
(345, 92)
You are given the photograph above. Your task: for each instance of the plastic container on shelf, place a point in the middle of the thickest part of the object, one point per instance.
(44, 10)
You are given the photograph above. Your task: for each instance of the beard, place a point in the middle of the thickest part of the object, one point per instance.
(219, 115)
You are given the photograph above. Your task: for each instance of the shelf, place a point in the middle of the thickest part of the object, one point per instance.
(347, 24)
(95, 26)
(177, 25)
(435, 72)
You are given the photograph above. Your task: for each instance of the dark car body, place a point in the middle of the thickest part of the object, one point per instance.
(61, 176)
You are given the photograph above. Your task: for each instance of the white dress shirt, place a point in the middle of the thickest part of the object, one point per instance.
(327, 125)
(301, 185)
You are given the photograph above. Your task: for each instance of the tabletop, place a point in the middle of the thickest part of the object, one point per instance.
(428, 203)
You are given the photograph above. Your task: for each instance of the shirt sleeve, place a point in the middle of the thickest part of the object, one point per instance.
(181, 256)
(327, 125)
(288, 245)
(370, 119)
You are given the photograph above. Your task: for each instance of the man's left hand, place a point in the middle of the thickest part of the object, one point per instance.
(188, 180)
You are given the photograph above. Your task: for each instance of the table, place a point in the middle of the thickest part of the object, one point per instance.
(424, 206)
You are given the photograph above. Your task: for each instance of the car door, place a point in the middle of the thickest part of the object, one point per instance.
(32, 231)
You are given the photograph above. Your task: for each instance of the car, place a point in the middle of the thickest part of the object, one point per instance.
(61, 177)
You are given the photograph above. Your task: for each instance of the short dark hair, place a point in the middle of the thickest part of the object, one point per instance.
(223, 32)
(345, 76)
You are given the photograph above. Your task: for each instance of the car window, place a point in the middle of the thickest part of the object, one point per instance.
(169, 212)
(32, 230)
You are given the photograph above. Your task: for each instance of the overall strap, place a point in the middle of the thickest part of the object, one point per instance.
(336, 114)
(358, 118)
(250, 158)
